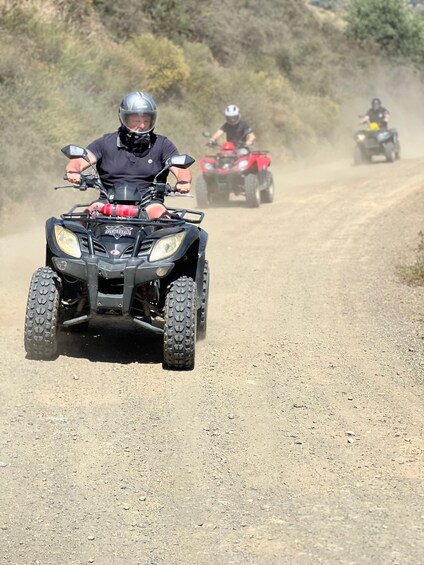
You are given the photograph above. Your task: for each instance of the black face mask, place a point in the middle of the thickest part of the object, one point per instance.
(136, 142)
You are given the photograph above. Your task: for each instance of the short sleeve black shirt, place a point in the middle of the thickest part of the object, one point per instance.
(237, 133)
(116, 163)
(377, 115)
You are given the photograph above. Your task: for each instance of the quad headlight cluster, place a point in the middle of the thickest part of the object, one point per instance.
(166, 246)
(383, 135)
(242, 164)
(67, 241)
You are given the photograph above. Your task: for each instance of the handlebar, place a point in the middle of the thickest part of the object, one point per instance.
(89, 180)
(238, 146)
(164, 189)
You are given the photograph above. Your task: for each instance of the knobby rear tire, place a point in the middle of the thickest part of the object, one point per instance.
(202, 195)
(267, 195)
(202, 312)
(358, 157)
(251, 187)
(389, 152)
(42, 314)
(179, 340)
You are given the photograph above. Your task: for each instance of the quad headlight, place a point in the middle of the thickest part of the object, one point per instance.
(361, 136)
(166, 246)
(208, 166)
(67, 241)
(242, 164)
(383, 135)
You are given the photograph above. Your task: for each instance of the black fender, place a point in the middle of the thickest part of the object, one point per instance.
(188, 261)
(51, 247)
(203, 239)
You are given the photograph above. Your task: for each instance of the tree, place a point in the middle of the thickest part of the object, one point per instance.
(389, 24)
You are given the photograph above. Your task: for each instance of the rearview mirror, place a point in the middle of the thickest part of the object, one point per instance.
(75, 152)
(180, 161)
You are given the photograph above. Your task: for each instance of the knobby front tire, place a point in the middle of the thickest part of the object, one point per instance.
(42, 314)
(179, 340)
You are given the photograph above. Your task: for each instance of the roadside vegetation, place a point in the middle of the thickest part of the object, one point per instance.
(292, 69)
(390, 26)
(414, 274)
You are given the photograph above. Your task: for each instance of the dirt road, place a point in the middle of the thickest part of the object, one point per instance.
(298, 438)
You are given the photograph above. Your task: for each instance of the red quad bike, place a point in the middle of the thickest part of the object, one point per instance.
(234, 171)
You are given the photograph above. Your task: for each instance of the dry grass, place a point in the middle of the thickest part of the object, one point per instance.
(413, 275)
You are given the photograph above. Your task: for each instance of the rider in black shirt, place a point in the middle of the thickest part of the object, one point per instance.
(377, 113)
(133, 153)
(236, 129)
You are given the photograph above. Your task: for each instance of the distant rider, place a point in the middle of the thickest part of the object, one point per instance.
(377, 114)
(236, 129)
(133, 153)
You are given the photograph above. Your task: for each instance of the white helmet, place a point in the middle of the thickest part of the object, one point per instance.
(232, 114)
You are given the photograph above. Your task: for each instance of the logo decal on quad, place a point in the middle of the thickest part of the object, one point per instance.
(118, 231)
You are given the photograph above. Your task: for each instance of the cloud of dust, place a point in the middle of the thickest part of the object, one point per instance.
(22, 228)
(401, 92)
(33, 208)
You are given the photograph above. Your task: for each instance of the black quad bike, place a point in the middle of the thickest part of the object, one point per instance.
(376, 141)
(111, 260)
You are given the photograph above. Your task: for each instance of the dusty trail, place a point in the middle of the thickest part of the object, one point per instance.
(108, 459)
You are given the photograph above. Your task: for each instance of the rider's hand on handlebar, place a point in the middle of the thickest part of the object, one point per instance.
(183, 186)
(73, 177)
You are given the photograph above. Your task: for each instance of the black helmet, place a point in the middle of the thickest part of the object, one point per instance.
(376, 103)
(137, 105)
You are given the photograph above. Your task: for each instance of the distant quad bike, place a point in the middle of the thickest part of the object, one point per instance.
(376, 141)
(113, 261)
(234, 171)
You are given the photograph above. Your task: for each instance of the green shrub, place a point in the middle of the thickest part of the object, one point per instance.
(165, 69)
(389, 24)
(203, 85)
(68, 65)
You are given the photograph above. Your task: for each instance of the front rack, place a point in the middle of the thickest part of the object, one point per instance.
(179, 216)
(238, 155)
(182, 214)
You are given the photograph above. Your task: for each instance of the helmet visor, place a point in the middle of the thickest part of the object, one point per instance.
(233, 119)
(138, 122)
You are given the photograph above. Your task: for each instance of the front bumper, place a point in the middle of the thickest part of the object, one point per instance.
(129, 274)
(230, 180)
